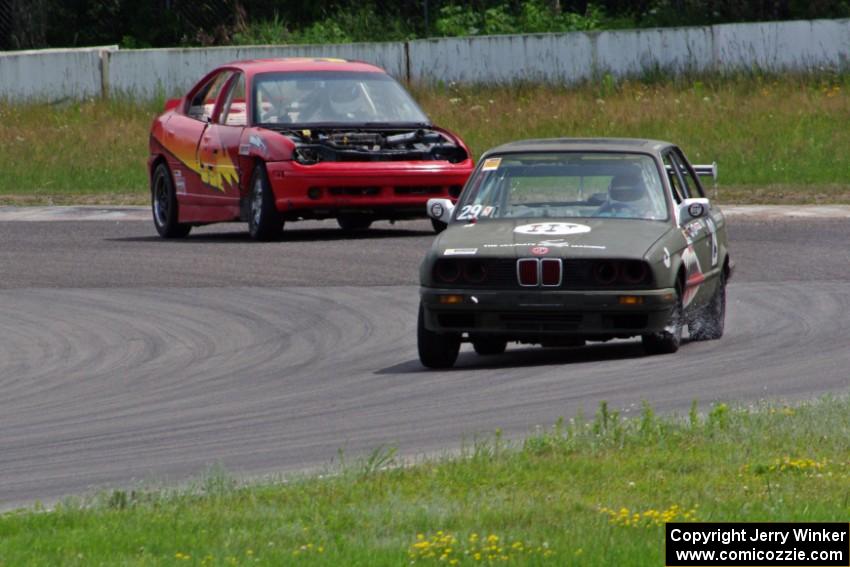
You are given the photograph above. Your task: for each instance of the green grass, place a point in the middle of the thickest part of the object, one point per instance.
(567, 495)
(88, 152)
(776, 139)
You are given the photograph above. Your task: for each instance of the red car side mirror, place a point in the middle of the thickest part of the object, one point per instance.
(172, 103)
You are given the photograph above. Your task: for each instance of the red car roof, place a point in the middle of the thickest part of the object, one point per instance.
(254, 66)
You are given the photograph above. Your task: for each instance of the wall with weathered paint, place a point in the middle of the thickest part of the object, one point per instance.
(783, 45)
(675, 50)
(556, 58)
(502, 58)
(51, 74)
(777, 46)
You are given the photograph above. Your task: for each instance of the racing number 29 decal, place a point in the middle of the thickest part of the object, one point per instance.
(471, 212)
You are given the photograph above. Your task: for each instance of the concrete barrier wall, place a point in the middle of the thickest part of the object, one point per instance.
(776, 46)
(676, 50)
(51, 74)
(561, 58)
(783, 45)
(502, 58)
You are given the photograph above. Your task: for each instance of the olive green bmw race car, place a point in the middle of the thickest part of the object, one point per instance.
(558, 242)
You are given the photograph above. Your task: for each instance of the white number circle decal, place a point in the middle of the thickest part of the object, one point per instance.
(548, 228)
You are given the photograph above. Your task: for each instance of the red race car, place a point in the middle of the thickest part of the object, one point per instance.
(269, 141)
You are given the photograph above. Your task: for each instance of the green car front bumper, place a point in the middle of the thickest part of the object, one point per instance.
(539, 315)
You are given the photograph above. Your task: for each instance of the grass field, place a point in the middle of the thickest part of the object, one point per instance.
(590, 492)
(777, 140)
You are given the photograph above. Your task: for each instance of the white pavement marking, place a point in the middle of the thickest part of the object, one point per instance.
(142, 213)
(788, 211)
(75, 213)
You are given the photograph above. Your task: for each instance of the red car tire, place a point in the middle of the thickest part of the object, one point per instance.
(264, 221)
(164, 205)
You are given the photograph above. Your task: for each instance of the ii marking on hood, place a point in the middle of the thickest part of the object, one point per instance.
(554, 228)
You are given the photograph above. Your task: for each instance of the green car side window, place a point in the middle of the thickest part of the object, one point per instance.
(676, 182)
(692, 183)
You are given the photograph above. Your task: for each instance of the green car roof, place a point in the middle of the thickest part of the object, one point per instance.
(581, 144)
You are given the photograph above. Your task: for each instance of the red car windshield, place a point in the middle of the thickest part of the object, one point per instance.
(331, 98)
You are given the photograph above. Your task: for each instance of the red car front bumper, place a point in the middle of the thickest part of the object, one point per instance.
(383, 190)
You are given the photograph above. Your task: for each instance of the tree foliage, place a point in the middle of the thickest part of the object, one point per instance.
(141, 23)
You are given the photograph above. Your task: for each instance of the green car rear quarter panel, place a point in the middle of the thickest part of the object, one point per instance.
(695, 253)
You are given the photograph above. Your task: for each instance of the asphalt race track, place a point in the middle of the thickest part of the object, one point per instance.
(125, 358)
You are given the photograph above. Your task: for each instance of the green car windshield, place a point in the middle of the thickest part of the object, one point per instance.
(564, 185)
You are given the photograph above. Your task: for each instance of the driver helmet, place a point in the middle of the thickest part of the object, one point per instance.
(627, 187)
(310, 91)
(343, 92)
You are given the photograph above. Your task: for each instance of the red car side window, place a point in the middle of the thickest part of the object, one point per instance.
(203, 103)
(234, 111)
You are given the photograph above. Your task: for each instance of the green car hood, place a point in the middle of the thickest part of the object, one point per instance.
(564, 238)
